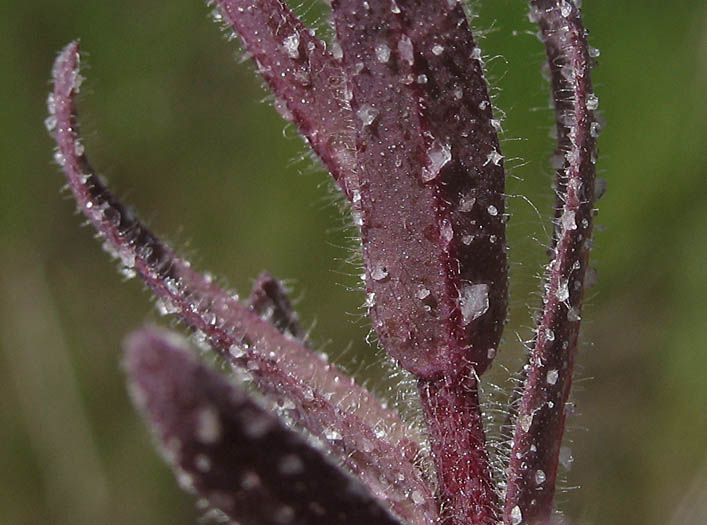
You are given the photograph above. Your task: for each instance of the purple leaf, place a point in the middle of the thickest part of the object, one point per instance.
(304, 76)
(232, 451)
(541, 414)
(398, 110)
(317, 395)
(268, 298)
(431, 184)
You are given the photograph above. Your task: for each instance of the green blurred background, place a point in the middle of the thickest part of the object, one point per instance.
(177, 126)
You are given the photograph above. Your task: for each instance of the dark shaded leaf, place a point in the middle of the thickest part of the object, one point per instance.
(232, 451)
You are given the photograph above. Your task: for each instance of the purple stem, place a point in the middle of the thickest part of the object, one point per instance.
(455, 426)
(232, 451)
(541, 413)
(306, 78)
(371, 440)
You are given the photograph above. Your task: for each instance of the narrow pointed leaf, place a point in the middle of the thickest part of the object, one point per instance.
(317, 395)
(541, 412)
(305, 77)
(268, 298)
(232, 451)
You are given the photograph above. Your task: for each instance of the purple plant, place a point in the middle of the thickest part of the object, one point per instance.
(397, 109)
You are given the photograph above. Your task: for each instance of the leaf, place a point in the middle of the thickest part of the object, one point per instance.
(231, 450)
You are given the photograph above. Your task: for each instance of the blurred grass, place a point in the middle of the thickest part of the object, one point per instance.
(176, 126)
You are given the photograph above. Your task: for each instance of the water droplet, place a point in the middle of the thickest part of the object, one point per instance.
(406, 50)
(600, 186)
(202, 463)
(591, 277)
(563, 291)
(379, 272)
(438, 155)
(573, 315)
(78, 149)
(51, 103)
(76, 82)
(539, 477)
(250, 480)
(332, 434)
(281, 107)
(208, 425)
(566, 458)
(185, 481)
(422, 79)
(284, 514)
(59, 158)
(172, 286)
(370, 300)
(594, 129)
(394, 8)
(236, 351)
(549, 334)
(382, 53)
(417, 497)
(491, 353)
(50, 123)
(494, 157)
(526, 421)
(516, 516)
(568, 221)
(291, 45)
(256, 426)
(592, 102)
(557, 161)
(336, 51)
(594, 52)
(565, 9)
(467, 203)
(367, 114)
(291, 464)
(165, 306)
(467, 239)
(446, 231)
(422, 293)
(493, 211)
(287, 404)
(473, 301)
(552, 376)
(127, 273)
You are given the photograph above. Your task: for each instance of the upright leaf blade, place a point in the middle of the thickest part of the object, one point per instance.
(540, 422)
